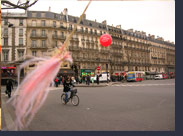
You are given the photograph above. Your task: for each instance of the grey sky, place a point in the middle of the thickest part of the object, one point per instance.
(151, 16)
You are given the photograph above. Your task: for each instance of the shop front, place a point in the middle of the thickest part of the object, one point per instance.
(66, 72)
(90, 72)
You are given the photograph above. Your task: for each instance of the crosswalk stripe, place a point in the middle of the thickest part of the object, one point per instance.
(130, 85)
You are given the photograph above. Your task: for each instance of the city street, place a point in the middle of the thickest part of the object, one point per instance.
(131, 106)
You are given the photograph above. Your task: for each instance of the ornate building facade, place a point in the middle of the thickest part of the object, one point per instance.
(130, 50)
(13, 36)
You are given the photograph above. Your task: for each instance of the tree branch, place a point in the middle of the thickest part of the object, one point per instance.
(10, 5)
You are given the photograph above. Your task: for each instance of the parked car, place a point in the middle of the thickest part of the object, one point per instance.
(165, 76)
(102, 77)
(159, 76)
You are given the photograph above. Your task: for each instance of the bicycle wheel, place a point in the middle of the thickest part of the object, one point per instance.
(75, 100)
(63, 99)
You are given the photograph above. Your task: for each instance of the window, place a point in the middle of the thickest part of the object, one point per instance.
(20, 41)
(43, 14)
(5, 21)
(86, 30)
(70, 27)
(33, 32)
(43, 53)
(20, 22)
(5, 55)
(81, 29)
(33, 22)
(20, 32)
(55, 16)
(61, 25)
(54, 23)
(43, 23)
(20, 53)
(34, 53)
(62, 33)
(43, 43)
(6, 41)
(6, 31)
(55, 43)
(43, 33)
(34, 14)
(34, 43)
(65, 65)
(91, 31)
(55, 33)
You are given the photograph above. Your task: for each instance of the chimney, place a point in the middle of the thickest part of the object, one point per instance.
(104, 22)
(130, 30)
(84, 16)
(65, 12)
(49, 9)
(118, 26)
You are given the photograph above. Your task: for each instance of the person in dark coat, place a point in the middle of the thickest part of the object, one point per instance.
(98, 79)
(9, 87)
(88, 80)
(67, 84)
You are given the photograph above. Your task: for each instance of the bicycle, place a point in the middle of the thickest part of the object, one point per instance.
(74, 98)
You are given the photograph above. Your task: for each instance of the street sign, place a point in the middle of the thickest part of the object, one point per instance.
(98, 68)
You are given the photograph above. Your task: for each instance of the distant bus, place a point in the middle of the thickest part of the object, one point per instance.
(135, 76)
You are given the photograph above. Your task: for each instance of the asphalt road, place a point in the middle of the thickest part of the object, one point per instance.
(142, 106)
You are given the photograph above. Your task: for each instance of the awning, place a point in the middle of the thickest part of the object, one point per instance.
(66, 71)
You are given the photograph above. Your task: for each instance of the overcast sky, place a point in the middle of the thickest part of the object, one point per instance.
(155, 17)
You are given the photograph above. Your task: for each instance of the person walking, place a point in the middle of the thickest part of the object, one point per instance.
(62, 79)
(88, 80)
(98, 79)
(9, 87)
(56, 81)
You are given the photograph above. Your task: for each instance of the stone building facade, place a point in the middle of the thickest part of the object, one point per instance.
(130, 50)
(13, 36)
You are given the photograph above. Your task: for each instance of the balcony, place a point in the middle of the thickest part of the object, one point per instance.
(38, 36)
(58, 37)
(87, 40)
(21, 44)
(40, 25)
(38, 47)
(74, 48)
(92, 41)
(75, 39)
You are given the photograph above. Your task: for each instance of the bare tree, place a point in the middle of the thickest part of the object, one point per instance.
(21, 4)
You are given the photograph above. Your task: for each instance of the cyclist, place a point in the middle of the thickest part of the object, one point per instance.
(67, 84)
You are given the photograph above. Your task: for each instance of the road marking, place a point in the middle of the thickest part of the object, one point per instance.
(130, 85)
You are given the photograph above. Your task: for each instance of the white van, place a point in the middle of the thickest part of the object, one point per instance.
(102, 77)
(159, 76)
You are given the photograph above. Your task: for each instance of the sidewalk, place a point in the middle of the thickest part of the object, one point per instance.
(76, 85)
(82, 85)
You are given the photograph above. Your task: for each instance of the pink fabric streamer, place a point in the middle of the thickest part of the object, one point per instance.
(32, 92)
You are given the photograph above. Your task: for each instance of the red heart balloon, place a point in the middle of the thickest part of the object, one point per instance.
(105, 40)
